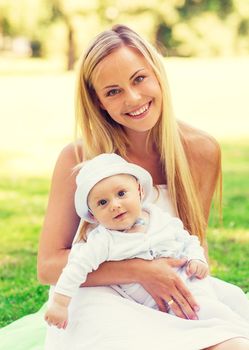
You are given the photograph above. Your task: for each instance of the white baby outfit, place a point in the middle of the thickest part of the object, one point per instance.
(99, 318)
(165, 237)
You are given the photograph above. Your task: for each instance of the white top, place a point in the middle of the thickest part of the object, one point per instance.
(165, 237)
(160, 197)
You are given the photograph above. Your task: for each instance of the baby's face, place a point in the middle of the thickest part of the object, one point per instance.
(115, 202)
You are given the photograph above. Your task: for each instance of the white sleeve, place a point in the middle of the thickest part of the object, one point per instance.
(83, 259)
(191, 244)
(192, 248)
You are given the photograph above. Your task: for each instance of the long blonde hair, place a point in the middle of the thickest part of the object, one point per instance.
(101, 134)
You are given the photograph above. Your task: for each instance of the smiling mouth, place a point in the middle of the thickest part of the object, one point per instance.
(140, 112)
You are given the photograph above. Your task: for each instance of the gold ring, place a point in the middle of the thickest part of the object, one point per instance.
(170, 302)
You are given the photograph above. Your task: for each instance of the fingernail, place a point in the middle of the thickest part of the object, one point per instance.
(197, 308)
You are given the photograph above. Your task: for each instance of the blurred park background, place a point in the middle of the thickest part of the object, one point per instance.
(206, 50)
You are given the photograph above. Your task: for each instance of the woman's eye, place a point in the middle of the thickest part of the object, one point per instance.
(102, 202)
(112, 92)
(139, 78)
(121, 193)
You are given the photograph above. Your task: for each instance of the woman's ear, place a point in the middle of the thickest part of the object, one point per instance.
(97, 101)
(101, 105)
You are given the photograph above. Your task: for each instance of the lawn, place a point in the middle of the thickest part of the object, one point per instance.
(22, 205)
(37, 132)
(229, 243)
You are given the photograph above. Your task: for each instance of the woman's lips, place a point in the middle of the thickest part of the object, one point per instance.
(140, 112)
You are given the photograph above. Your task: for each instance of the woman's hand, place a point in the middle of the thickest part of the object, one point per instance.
(163, 284)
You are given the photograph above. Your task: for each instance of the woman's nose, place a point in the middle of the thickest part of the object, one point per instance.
(132, 97)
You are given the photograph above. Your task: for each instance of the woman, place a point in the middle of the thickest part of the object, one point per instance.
(123, 105)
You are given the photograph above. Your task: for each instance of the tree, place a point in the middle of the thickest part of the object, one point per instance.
(22, 18)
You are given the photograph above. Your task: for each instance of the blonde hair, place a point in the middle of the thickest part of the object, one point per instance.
(101, 134)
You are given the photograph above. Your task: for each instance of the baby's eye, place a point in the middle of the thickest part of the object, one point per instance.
(139, 79)
(121, 193)
(113, 92)
(102, 202)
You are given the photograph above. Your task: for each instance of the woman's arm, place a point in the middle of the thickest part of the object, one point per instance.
(61, 221)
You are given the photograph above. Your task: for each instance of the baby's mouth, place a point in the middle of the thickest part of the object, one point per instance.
(119, 216)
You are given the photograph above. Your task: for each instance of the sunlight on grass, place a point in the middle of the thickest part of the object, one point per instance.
(229, 255)
(13, 66)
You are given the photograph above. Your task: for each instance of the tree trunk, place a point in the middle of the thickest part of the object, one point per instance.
(71, 47)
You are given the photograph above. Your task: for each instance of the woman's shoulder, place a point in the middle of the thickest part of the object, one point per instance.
(68, 158)
(199, 145)
(71, 154)
(204, 157)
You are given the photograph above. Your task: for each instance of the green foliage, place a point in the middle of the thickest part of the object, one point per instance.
(192, 8)
(23, 17)
(185, 28)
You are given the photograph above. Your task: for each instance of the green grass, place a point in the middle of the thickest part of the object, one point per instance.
(229, 243)
(23, 201)
(236, 185)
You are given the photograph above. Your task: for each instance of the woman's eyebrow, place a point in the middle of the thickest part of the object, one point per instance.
(116, 85)
(133, 75)
(109, 86)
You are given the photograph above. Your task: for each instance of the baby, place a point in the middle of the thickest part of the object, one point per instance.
(113, 195)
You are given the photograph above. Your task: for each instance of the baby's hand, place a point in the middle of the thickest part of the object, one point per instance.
(197, 268)
(57, 315)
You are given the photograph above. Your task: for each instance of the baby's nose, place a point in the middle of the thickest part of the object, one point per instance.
(115, 204)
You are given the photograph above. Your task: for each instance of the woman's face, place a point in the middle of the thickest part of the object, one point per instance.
(128, 89)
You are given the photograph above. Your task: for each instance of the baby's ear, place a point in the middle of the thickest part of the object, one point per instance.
(91, 216)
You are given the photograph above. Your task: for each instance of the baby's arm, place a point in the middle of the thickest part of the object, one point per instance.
(197, 265)
(83, 258)
(197, 268)
(57, 313)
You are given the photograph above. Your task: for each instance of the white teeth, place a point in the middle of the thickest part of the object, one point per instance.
(140, 110)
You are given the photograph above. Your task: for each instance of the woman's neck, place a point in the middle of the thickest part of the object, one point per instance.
(146, 155)
(140, 146)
